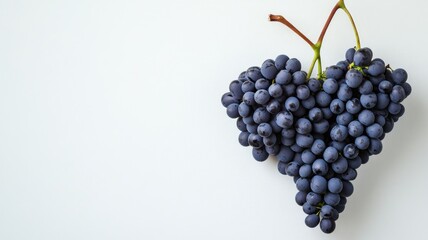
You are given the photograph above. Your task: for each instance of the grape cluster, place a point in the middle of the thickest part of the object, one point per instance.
(257, 99)
(320, 130)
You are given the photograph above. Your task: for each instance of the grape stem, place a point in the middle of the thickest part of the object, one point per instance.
(281, 19)
(317, 46)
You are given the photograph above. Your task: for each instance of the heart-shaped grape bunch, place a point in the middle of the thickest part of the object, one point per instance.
(320, 129)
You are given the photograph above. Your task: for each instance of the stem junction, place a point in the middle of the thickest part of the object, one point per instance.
(317, 46)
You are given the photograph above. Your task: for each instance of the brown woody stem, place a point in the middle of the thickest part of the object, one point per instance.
(281, 19)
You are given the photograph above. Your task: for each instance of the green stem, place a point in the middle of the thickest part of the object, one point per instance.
(311, 68)
(317, 46)
(317, 58)
(341, 4)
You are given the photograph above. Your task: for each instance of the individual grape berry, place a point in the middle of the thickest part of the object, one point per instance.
(344, 93)
(304, 140)
(383, 101)
(339, 146)
(228, 99)
(323, 99)
(270, 141)
(353, 106)
(376, 68)
(293, 65)
(330, 86)
(248, 86)
(327, 225)
(407, 88)
(264, 130)
(312, 220)
(248, 120)
(235, 89)
(293, 169)
(344, 118)
(248, 98)
(366, 117)
(303, 185)
(273, 106)
(261, 115)
(350, 55)
(280, 61)
(315, 115)
(314, 198)
(303, 92)
(300, 198)
(343, 65)
(303, 126)
(330, 154)
(374, 131)
(397, 94)
(347, 189)
(305, 171)
(232, 110)
(321, 127)
(292, 104)
(243, 138)
(354, 78)
(318, 147)
(337, 106)
(334, 71)
(273, 150)
(385, 86)
(262, 96)
(349, 175)
(339, 133)
(284, 119)
(268, 69)
(354, 163)
(375, 146)
(340, 165)
(328, 212)
(255, 140)
(260, 154)
(318, 184)
(335, 185)
(363, 57)
(399, 76)
(362, 142)
(350, 151)
(314, 85)
(299, 78)
(355, 128)
(308, 157)
(309, 103)
(284, 77)
(244, 110)
(254, 74)
(309, 209)
(241, 125)
(285, 154)
(275, 90)
(320, 167)
(282, 167)
(366, 87)
(368, 100)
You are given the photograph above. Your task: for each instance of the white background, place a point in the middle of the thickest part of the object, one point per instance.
(111, 125)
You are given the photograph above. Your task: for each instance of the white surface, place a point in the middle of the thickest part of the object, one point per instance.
(111, 125)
